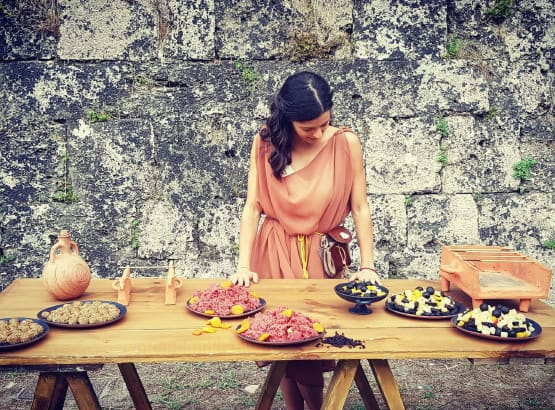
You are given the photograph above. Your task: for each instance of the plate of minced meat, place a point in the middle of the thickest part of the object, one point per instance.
(225, 300)
(279, 327)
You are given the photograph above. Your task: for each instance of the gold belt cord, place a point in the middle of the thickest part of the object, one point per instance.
(303, 251)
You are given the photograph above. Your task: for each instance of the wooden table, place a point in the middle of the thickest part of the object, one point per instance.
(154, 332)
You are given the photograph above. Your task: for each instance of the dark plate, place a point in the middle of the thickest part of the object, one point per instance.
(460, 308)
(534, 334)
(6, 346)
(358, 299)
(247, 313)
(361, 303)
(122, 312)
(283, 343)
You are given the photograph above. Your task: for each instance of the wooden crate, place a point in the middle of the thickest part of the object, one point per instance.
(493, 272)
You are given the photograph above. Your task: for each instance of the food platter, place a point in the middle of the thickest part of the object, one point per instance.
(537, 331)
(459, 309)
(361, 302)
(280, 343)
(122, 311)
(244, 314)
(40, 336)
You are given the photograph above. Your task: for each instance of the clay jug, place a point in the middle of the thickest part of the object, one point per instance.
(66, 275)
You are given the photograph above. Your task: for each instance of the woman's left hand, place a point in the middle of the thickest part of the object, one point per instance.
(366, 275)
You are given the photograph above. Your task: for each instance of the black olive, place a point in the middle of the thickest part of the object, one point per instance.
(484, 307)
(416, 304)
(350, 285)
(519, 329)
(516, 323)
(512, 333)
(496, 313)
(504, 310)
(420, 288)
(472, 328)
(405, 300)
(430, 290)
(426, 295)
(497, 331)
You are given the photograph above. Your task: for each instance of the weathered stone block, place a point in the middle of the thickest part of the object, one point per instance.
(254, 29)
(59, 91)
(28, 30)
(401, 156)
(187, 29)
(434, 220)
(520, 221)
(108, 30)
(391, 29)
(480, 155)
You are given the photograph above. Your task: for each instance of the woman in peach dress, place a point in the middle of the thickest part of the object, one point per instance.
(305, 177)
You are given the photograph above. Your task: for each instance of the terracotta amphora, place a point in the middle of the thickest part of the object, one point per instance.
(66, 275)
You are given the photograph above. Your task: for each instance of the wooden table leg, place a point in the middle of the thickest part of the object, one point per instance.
(340, 383)
(386, 383)
(271, 385)
(82, 390)
(365, 390)
(50, 392)
(135, 386)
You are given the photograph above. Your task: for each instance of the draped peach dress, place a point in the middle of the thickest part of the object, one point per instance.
(303, 204)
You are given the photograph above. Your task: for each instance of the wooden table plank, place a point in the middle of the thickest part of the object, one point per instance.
(152, 331)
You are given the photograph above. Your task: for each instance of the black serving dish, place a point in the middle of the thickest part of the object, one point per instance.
(361, 302)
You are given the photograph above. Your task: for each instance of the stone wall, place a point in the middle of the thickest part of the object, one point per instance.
(129, 123)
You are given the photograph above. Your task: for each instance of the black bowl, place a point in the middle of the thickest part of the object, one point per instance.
(361, 302)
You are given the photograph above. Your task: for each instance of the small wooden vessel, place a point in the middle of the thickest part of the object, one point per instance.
(493, 272)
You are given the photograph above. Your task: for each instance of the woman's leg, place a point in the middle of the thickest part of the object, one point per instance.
(312, 395)
(291, 394)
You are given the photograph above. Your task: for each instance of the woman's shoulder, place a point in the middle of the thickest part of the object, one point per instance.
(349, 134)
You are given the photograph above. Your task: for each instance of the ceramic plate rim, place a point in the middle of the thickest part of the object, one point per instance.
(537, 332)
(460, 309)
(247, 313)
(122, 312)
(42, 323)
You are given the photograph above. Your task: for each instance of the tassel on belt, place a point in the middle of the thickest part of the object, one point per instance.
(304, 248)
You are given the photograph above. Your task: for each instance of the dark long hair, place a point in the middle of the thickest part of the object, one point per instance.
(303, 97)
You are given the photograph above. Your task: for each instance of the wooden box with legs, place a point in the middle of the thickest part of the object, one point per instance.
(493, 272)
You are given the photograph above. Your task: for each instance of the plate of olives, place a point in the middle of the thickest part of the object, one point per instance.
(362, 294)
(497, 322)
(423, 303)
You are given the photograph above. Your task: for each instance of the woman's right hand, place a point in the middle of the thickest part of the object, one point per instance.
(243, 277)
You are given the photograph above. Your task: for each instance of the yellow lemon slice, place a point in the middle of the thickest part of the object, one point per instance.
(237, 309)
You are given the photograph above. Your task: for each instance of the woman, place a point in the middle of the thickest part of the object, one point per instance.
(305, 176)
